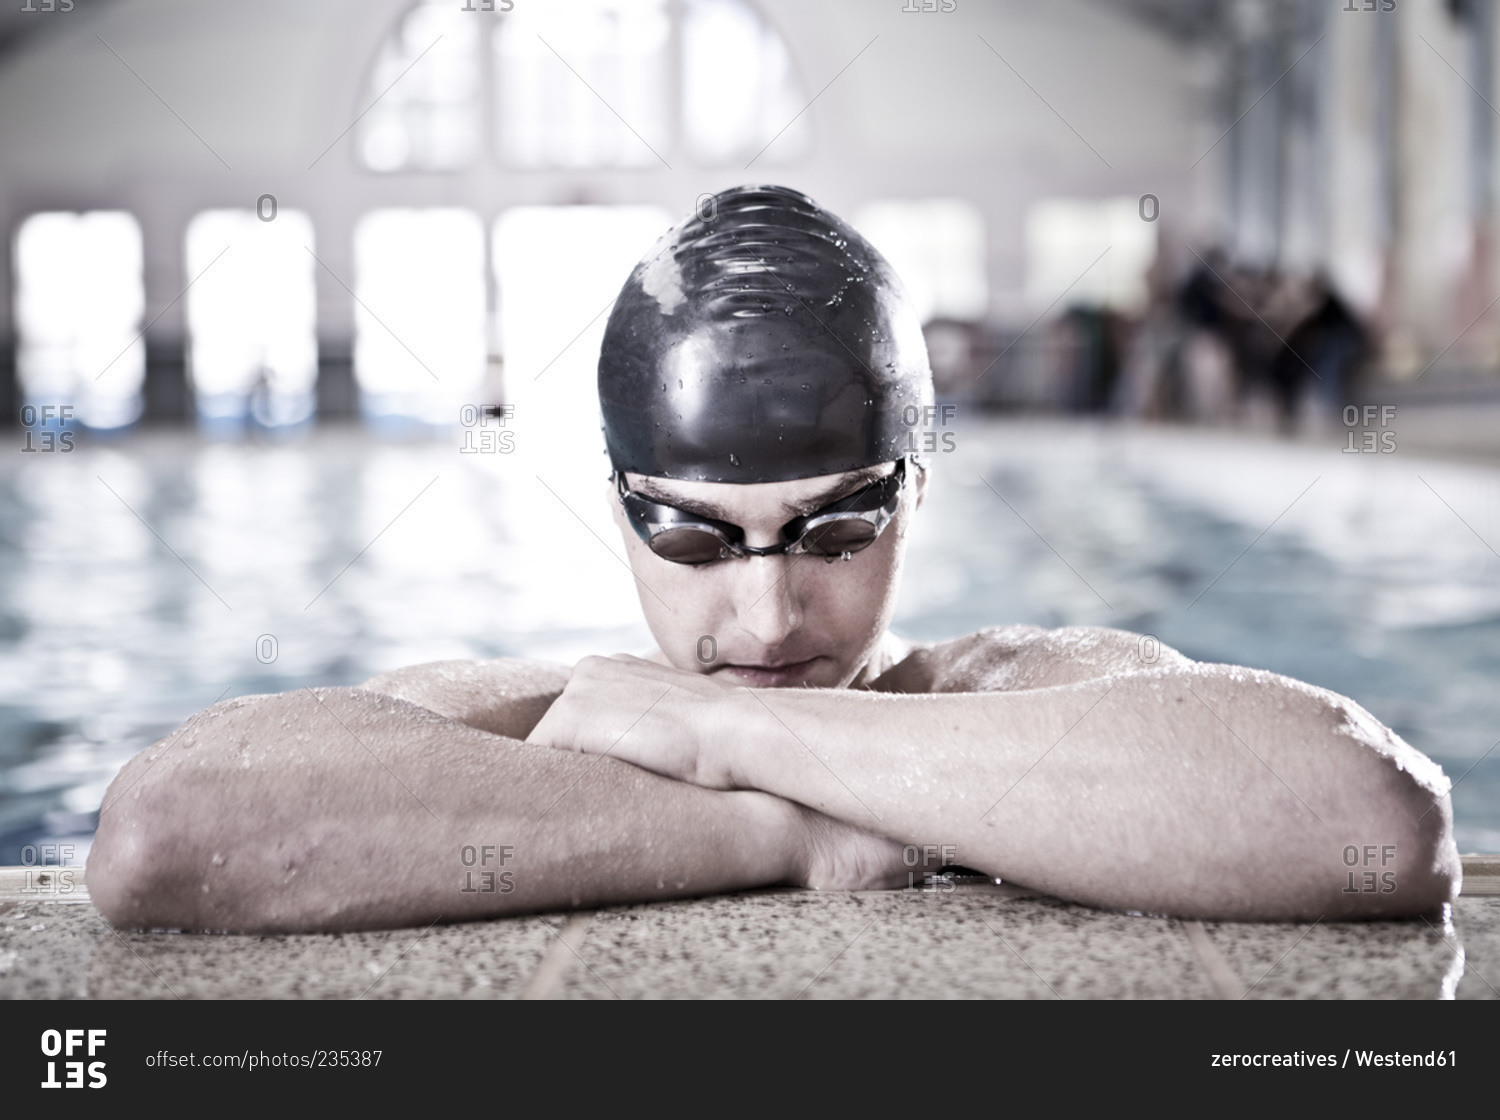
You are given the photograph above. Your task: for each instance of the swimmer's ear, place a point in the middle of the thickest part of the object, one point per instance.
(921, 473)
(617, 511)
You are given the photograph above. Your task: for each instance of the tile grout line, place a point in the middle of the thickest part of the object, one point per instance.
(1225, 983)
(561, 951)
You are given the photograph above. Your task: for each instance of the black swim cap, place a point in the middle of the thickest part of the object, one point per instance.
(761, 340)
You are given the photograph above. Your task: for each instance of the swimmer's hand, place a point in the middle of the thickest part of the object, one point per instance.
(682, 725)
(656, 717)
(835, 856)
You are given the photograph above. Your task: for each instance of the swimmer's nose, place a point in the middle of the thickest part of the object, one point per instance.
(766, 603)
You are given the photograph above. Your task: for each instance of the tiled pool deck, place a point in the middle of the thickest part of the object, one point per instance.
(975, 940)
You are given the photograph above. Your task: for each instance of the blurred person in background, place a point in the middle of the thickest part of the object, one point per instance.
(1316, 370)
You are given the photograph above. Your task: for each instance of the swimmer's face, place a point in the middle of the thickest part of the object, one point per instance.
(771, 621)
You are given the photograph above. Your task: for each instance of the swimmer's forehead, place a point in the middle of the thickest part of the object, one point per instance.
(729, 501)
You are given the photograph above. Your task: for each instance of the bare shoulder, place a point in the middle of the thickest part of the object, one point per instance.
(502, 695)
(507, 674)
(1013, 658)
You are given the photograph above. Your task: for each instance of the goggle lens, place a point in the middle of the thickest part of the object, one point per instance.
(687, 546)
(841, 535)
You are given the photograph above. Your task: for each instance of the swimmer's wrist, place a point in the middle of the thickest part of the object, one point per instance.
(747, 747)
(736, 742)
(774, 848)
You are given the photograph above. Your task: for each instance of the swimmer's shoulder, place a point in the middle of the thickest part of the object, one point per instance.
(503, 673)
(1020, 656)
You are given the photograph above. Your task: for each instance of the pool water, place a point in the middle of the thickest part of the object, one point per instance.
(144, 579)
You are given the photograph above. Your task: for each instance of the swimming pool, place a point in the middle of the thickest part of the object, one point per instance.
(147, 577)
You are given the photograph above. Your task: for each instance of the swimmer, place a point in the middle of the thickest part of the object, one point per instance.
(757, 379)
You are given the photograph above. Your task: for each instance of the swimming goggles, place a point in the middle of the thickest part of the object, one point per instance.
(841, 528)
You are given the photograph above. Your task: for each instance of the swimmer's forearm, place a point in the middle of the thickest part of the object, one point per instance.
(377, 813)
(1198, 791)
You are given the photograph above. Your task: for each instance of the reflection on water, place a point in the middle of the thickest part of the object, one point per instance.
(142, 578)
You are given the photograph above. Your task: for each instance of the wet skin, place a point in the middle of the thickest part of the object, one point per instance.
(810, 751)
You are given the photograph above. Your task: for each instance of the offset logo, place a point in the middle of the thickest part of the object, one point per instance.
(49, 869)
(490, 882)
(66, 1044)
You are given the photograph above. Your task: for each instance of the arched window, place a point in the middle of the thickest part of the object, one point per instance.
(424, 91)
(589, 84)
(590, 90)
(738, 88)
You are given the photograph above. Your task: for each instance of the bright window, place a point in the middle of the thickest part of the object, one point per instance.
(738, 88)
(79, 303)
(251, 315)
(419, 345)
(425, 89)
(557, 270)
(937, 247)
(583, 86)
(589, 83)
(1098, 252)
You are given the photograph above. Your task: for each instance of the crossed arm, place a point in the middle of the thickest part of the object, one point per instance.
(412, 800)
(1197, 790)
(1060, 761)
